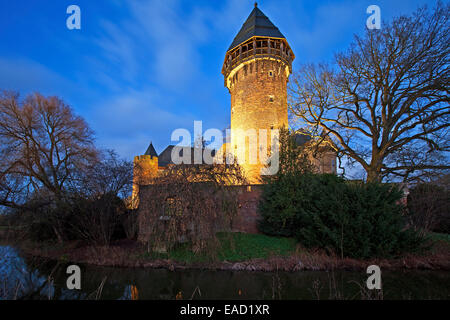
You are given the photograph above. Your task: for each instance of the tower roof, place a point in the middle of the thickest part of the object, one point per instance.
(257, 24)
(151, 151)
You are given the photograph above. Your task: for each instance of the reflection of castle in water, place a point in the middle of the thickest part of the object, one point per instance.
(162, 284)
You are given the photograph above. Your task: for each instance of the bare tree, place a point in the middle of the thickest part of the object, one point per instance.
(109, 174)
(385, 102)
(42, 146)
(189, 203)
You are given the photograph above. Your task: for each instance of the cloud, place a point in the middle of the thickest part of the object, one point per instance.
(154, 43)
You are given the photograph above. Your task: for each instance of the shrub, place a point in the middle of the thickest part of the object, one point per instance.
(98, 220)
(130, 224)
(428, 207)
(350, 219)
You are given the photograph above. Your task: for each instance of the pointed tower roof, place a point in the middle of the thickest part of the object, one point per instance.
(257, 24)
(151, 151)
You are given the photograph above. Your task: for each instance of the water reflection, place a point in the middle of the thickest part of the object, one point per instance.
(47, 280)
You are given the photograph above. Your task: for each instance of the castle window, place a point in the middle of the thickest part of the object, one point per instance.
(270, 73)
(271, 98)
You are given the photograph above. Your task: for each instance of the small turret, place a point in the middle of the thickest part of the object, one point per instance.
(145, 168)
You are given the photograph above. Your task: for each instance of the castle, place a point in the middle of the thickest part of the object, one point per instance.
(256, 71)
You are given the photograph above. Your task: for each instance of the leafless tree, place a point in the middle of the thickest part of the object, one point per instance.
(43, 144)
(189, 203)
(385, 102)
(108, 174)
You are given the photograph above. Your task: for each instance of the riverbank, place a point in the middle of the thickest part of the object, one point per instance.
(243, 252)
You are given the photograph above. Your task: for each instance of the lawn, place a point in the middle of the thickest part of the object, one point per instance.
(233, 247)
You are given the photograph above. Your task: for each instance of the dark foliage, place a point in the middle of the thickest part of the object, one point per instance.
(350, 219)
(428, 205)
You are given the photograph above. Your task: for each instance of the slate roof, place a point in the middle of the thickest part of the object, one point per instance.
(151, 151)
(165, 158)
(257, 24)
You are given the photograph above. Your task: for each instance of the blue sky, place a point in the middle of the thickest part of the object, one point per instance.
(137, 70)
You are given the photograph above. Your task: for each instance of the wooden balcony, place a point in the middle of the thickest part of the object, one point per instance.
(258, 48)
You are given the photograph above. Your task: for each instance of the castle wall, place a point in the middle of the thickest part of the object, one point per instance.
(246, 218)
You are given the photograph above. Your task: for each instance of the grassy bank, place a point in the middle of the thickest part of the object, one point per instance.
(236, 251)
(233, 247)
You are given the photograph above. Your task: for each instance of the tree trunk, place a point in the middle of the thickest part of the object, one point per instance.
(373, 175)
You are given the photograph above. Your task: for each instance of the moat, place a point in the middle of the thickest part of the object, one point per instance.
(144, 283)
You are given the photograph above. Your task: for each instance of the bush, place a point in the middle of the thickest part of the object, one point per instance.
(130, 224)
(428, 207)
(350, 219)
(96, 220)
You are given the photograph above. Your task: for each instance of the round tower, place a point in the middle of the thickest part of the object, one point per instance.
(256, 71)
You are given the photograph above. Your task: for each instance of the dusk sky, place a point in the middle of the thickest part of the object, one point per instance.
(137, 70)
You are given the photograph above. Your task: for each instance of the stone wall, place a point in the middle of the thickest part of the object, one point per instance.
(248, 215)
(245, 220)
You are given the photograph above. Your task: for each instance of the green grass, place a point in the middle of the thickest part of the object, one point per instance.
(233, 247)
(243, 246)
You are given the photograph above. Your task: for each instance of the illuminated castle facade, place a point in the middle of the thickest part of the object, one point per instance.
(256, 71)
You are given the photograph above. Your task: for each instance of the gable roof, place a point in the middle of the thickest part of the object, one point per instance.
(257, 24)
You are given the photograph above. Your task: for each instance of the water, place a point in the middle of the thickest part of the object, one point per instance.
(127, 283)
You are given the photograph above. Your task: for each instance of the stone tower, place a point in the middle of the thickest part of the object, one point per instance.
(256, 70)
(145, 167)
